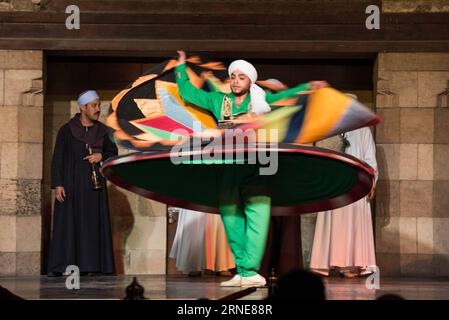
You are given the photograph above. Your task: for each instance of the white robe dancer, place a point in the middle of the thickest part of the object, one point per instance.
(218, 254)
(188, 247)
(344, 237)
(200, 243)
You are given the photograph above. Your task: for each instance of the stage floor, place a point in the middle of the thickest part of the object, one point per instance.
(182, 287)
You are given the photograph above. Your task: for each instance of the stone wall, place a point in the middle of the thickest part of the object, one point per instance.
(415, 6)
(20, 5)
(21, 138)
(412, 207)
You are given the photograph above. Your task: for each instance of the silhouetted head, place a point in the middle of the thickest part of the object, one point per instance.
(6, 295)
(300, 285)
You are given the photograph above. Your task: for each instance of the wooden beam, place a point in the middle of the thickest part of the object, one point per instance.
(325, 18)
(291, 47)
(143, 56)
(334, 32)
(311, 30)
(184, 18)
(314, 7)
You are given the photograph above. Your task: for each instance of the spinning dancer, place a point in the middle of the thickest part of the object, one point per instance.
(244, 204)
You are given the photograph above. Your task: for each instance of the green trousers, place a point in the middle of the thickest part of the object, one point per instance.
(245, 211)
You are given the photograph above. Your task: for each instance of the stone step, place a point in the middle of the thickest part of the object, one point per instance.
(443, 99)
(37, 84)
(33, 98)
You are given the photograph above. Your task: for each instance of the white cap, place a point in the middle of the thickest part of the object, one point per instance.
(87, 96)
(257, 94)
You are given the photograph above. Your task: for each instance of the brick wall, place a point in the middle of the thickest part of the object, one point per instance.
(21, 139)
(412, 210)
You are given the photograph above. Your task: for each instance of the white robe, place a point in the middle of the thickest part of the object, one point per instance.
(200, 243)
(218, 253)
(344, 237)
(188, 247)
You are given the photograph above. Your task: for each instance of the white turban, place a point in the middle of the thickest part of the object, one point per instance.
(87, 96)
(257, 94)
(353, 96)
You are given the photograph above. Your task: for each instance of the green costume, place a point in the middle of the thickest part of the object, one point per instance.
(244, 207)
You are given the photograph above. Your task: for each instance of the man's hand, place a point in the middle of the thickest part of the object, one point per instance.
(60, 193)
(94, 158)
(371, 194)
(315, 85)
(181, 57)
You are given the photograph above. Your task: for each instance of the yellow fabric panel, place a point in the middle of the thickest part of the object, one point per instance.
(325, 108)
(278, 120)
(151, 108)
(201, 115)
(171, 88)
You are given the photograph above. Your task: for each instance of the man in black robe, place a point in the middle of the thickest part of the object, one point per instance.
(81, 224)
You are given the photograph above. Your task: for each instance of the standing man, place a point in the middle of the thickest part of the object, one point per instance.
(344, 239)
(245, 203)
(81, 225)
(200, 244)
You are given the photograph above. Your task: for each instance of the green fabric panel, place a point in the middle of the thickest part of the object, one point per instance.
(299, 179)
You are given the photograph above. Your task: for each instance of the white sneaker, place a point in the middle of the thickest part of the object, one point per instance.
(236, 281)
(254, 281)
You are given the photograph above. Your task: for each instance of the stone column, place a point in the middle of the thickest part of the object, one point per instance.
(21, 138)
(412, 210)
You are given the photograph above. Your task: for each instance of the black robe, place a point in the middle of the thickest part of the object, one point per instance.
(284, 250)
(81, 233)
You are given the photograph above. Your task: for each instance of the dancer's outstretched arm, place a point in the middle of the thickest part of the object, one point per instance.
(188, 91)
(312, 85)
